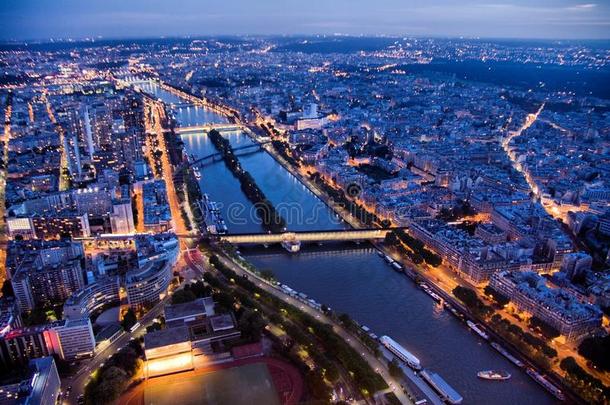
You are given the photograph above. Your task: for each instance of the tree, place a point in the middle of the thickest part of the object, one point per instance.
(544, 328)
(7, 289)
(129, 319)
(275, 318)
(500, 298)
(36, 316)
(470, 299)
(317, 386)
(268, 275)
(596, 350)
(395, 370)
(111, 384)
(346, 320)
(224, 301)
(391, 399)
(432, 259)
(134, 209)
(391, 239)
(251, 325)
(182, 296)
(591, 388)
(200, 289)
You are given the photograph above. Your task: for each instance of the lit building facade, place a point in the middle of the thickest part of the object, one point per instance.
(559, 309)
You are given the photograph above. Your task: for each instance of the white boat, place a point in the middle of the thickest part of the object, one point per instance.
(432, 294)
(494, 375)
(291, 245)
(403, 354)
(287, 289)
(397, 266)
(477, 329)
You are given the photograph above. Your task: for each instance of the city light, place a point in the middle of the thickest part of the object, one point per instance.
(168, 365)
(173, 203)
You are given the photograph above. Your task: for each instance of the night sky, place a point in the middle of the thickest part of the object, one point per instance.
(556, 19)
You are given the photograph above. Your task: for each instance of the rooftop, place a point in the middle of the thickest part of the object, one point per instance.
(166, 337)
(198, 307)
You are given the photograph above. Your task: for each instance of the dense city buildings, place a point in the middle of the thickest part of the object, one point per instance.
(484, 164)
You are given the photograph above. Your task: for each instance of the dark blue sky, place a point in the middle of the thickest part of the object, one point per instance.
(41, 19)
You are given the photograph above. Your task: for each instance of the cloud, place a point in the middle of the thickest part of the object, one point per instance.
(582, 7)
(39, 19)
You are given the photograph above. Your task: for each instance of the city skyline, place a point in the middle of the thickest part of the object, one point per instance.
(541, 19)
(281, 202)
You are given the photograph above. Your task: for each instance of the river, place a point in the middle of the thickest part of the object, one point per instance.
(352, 278)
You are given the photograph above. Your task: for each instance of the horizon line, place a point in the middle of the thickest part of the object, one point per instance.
(100, 38)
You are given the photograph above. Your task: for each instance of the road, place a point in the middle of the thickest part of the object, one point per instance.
(167, 169)
(514, 158)
(64, 181)
(5, 137)
(354, 342)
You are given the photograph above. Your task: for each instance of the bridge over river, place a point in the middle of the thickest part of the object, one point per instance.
(217, 156)
(306, 236)
(222, 127)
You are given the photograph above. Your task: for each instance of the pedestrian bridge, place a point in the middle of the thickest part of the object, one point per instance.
(308, 236)
(208, 128)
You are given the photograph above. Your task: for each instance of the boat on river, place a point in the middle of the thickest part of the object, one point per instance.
(506, 354)
(403, 354)
(550, 387)
(494, 375)
(477, 329)
(291, 245)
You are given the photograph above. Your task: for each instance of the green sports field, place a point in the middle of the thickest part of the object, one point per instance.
(246, 385)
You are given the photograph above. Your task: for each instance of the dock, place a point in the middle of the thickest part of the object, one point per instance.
(413, 383)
